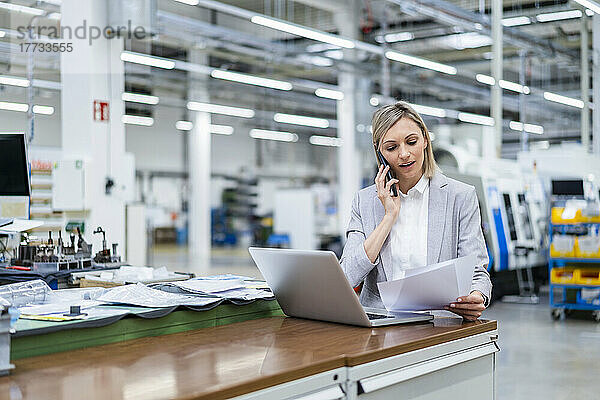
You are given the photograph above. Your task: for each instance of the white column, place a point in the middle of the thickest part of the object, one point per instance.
(585, 82)
(496, 109)
(94, 71)
(349, 160)
(596, 84)
(199, 149)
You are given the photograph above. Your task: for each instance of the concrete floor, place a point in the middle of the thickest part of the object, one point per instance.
(539, 359)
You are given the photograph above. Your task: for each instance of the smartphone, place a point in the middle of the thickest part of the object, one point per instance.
(389, 175)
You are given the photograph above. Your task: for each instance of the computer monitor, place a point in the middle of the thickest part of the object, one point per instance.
(567, 187)
(14, 166)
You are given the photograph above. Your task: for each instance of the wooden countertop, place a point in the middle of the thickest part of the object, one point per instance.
(223, 361)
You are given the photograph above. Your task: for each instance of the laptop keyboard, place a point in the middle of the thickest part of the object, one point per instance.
(377, 316)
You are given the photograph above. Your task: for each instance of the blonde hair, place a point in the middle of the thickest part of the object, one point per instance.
(385, 117)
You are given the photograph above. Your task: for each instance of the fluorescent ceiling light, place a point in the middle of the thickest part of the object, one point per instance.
(488, 80)
(189, 2)
(301, 120)
(475, 119)
(468, 40)
(14, 81)
(516, 21)
(557, 16)
(395, 37)
(531, 128)
(420, 62)
(55, 15)
(515, 87)
(592, 5)
(8, 106)
(221, 129)
(184, 125)
(250, 79)
(140, 98)
(589, 12)
(23, 9)
(569, 101)
(301, 31)
(374, 101)
(325, 141)
(316, 60)
(273, 135)
(319, 47)
(218, 109)
(432, 111)
(2, 34)
(137, 120)
(329, 94)
(147, 60)
(44, 110)
(335, 54)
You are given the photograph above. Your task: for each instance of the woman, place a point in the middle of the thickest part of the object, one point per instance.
(433, 218)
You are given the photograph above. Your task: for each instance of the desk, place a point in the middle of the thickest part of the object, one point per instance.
(269, 358)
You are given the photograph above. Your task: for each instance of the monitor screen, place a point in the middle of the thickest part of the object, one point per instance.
(14, 171)
(572, 187)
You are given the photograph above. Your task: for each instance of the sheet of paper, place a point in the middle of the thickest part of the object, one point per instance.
(143, 296)
(429, 288)
(209, 286)
(21, 225)
(58, 308)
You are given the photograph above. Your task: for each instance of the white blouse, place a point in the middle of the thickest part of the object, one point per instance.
(409, 233)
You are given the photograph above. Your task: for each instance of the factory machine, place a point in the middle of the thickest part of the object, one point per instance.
(48, 256)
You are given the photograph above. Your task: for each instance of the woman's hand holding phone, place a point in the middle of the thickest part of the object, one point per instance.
(391, 204)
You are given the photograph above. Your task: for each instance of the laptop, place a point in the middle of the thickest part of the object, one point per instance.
(311, 284)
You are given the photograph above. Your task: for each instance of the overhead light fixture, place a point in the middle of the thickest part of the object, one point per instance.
(589, 12)
(55, 15)
(184, 125)
(467, 40)
(395, 37)
(420, 62)
(2, 34)
(515, 87)
(531, 128)
(569, 101)
(329, 94)
(557, 16)
(488, 80)
(432, 111)
(140, 98)
(475, 119)
(316, 60)
(221, 129)
(374, 101)
(9, 106)
(325, 141)
(250, 79)
(301, 120)
(516, 21)
(14, 81)
(44, 110)
(137, 120)
(189, 2)
(273, 135)
(23, 9)
(219, 109)
(319, 47)
(592, 5)
(302, 31)
(151, 61)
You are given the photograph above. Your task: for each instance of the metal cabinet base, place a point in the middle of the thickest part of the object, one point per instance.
(323, 386)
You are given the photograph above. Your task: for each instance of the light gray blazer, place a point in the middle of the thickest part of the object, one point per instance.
(454, 230)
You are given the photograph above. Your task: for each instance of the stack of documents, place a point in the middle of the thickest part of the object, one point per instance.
(223, 286)
(143, 296)
(431, 287)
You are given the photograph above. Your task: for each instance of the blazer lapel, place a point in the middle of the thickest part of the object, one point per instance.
(436, 218)
(385, 254)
